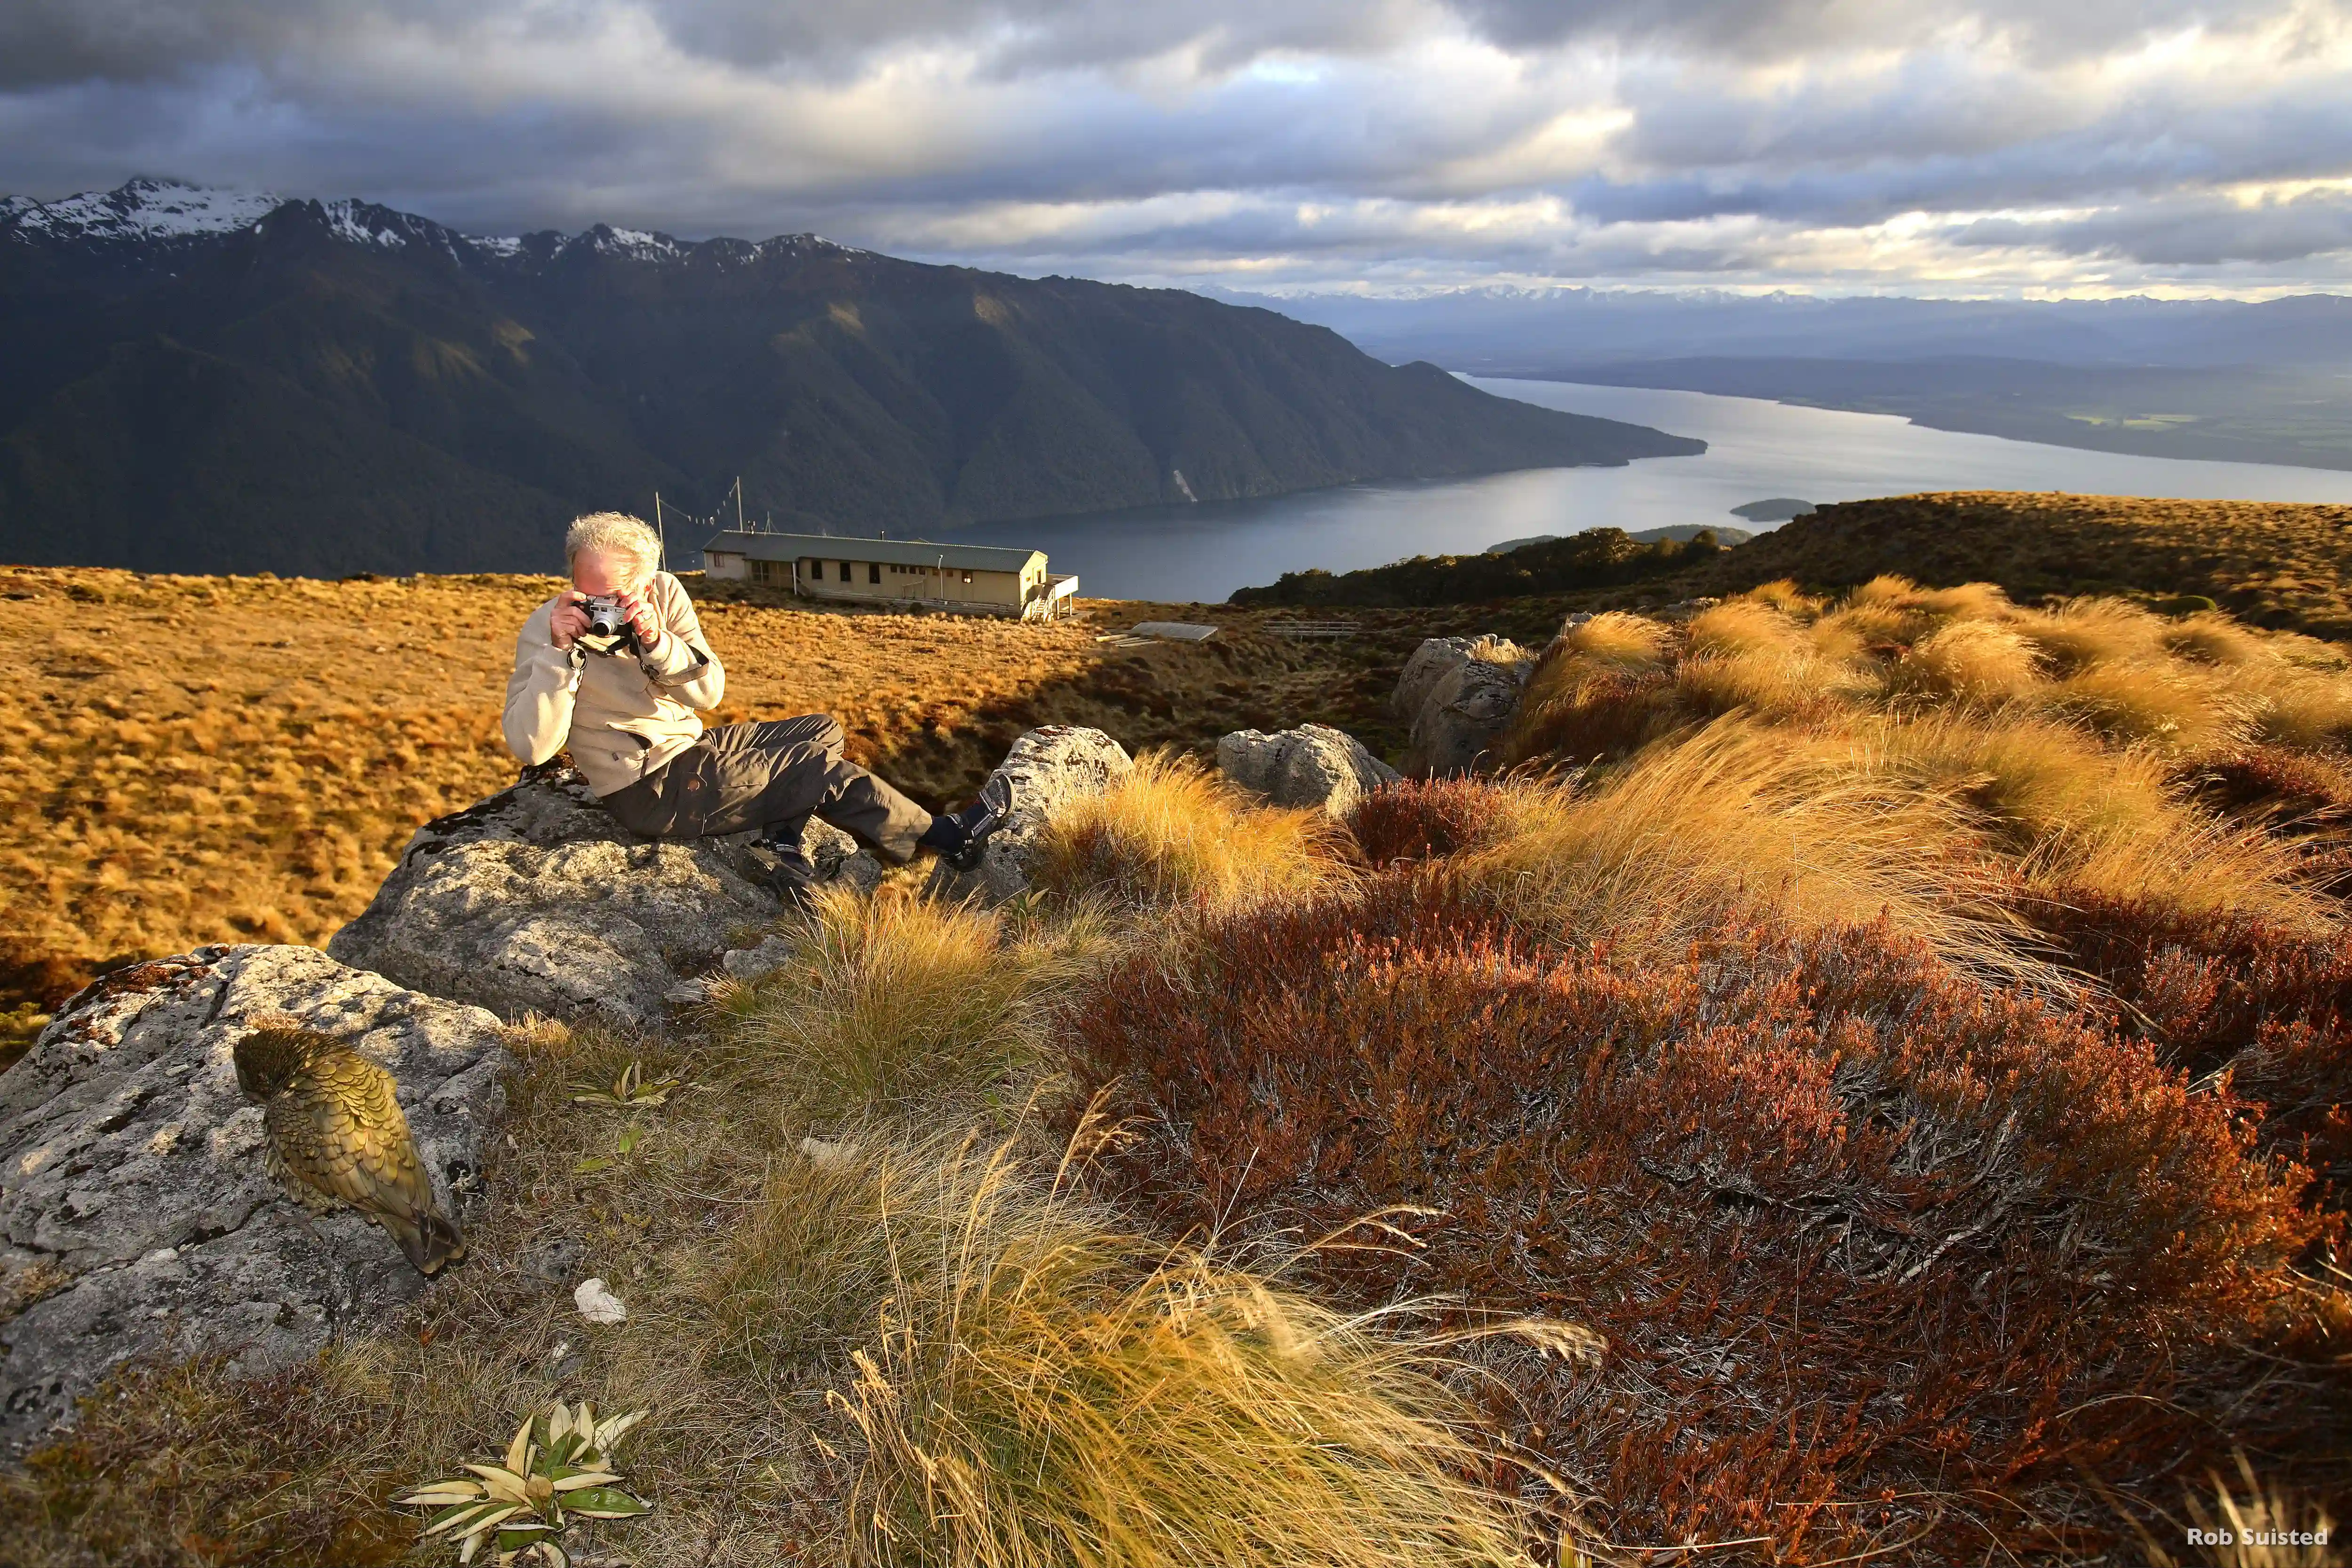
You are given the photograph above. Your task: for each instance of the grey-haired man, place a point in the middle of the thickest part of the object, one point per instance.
(624, 704)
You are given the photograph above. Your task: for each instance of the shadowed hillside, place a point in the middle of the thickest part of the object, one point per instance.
(2271, 563)
(348, 388)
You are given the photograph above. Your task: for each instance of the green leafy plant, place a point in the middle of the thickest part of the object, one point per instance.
(558, 1469)
(631, 1136)
(632, 1090)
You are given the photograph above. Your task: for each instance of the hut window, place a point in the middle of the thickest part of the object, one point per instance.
(967, 576)
(874, 572)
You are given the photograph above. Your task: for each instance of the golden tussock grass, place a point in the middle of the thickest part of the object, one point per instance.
(2268, 564)
(1050, 1389)
(1743, 625)
(1599, 669)
(905, 1351)
(1736, 824)
(2212, 638)
(1616, 637)
(892, 1002)
(230, 759)
(1978, 663)
(1785, 596)
(2303, 707)
(1173, 834)
(2171, 706)
(1746, 655)
(2079, 818)
(2059, 747)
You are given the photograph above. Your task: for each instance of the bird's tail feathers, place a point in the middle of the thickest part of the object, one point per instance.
(430, 1239)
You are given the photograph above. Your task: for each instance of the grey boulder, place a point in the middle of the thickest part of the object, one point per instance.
(1047, 769)
(137, 1218)
(1458, 695)
(1313, 765)
(538, 901)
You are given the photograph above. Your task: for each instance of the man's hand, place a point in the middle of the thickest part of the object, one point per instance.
(642, 620)
(570, 619)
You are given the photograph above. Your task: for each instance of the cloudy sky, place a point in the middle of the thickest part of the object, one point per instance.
(1904, 146)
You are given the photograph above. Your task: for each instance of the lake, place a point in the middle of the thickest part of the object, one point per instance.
(1756, 450)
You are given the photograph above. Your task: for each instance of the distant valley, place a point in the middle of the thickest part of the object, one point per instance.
(208, 380)
(2216, 379)
(2290, 414)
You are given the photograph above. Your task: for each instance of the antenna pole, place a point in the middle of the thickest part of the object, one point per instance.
(738, 503)
(660, 532)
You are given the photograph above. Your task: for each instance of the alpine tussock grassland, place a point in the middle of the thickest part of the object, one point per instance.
(239, 759)
(2272, 563)
(1870, 1084)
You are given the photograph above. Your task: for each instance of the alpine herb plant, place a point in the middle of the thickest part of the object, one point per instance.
(558, 1469)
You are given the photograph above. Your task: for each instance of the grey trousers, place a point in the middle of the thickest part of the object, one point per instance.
(775, 775)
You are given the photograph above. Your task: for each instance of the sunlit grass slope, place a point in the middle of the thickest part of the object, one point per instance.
(201, 760)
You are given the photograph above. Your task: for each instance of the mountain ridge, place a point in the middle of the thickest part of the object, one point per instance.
(332, 387)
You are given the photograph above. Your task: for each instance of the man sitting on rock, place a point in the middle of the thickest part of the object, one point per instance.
(624, 705)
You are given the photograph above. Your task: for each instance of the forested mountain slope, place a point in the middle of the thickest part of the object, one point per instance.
(332, 388)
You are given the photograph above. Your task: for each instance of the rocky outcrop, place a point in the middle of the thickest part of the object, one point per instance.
(1434, 658)
(136, 1216)
(538, 901)
(839, 857)
(1047, 768)
(1458, 695)
(1313, 765)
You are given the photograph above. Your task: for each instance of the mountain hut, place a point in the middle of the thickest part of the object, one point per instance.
(973, 579)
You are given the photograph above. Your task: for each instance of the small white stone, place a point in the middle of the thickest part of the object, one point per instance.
(597, 1304)
(827, 1157)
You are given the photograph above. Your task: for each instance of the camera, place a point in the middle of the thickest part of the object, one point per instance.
(606, 616)
(609, 631)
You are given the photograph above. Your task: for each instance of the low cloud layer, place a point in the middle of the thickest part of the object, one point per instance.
(1889, 145)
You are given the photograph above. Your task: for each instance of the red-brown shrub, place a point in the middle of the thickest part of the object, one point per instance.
(2271, 1008)
(1591, 711)
(1421, 819)
(2302, 791)
(1877, 1254)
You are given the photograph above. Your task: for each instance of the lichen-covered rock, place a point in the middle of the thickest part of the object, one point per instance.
(1435, 657)
(1048, 768)
(1459, 694)
(1313, 765)
(137, 1217)
(538, 901)
(839, 857)
(747, 964)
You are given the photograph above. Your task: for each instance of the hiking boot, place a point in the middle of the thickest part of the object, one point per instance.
(967, 832)
(790, 874)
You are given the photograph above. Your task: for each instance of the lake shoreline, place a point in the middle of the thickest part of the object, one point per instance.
(1756, 449)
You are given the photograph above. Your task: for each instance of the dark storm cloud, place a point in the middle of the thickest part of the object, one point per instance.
(2185, 232)
(1296, 140)
(1776, 28)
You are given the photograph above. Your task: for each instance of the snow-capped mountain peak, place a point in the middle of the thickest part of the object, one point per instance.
(143, 210)
(154, 211)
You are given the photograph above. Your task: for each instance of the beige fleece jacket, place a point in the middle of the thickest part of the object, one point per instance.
(620, 717)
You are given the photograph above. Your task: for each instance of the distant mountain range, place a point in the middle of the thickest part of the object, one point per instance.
(203, 380)
(1510, 331)
(2269, 382)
